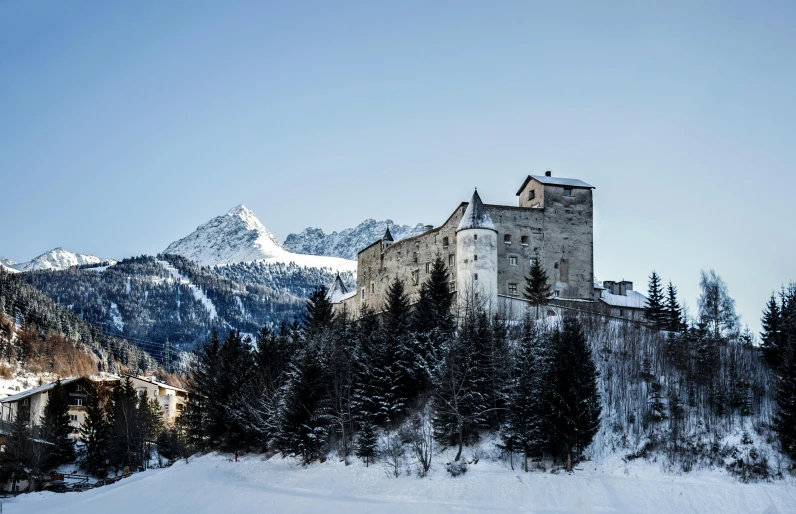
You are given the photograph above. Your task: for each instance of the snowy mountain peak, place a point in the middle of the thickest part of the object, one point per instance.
(238, 236)
(56, 259)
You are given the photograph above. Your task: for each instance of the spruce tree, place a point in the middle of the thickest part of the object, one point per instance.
(17, 459)
(201, 420)
(229, 401)
(56, 428)
(397, 336)
(574, 397)
(125, 450)
(771, 337)
(673, 313)
(367, 445)
(95, 433)
(319, 312)
(537, 288)
(432, 322)
(785, 418)
(655, 310)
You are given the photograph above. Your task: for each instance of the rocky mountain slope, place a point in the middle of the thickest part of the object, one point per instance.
(55, 259)
(346, 243)
(238, 236)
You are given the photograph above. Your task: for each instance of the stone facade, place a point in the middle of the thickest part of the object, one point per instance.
(553, 222)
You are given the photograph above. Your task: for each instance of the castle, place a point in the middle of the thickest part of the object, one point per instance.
(488, 248)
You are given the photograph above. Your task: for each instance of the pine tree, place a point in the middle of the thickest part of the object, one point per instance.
(17, 459)
(785, 419)
(655, 310)
(95, 433)
(432, 322)
(56, 429)
(319, 312)
(574, 397)
(772, 333)
(235, 372)
(201, 419)
(125, 440)
(526, 423)
(674, 314)
(398, 340)
(537, 288)
(367, 446)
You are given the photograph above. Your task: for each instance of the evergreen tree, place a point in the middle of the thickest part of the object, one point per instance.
(785, 419)
(95, 433)
(400, 350)
(125, 438)
(319, 312)
(772, 333)
(373, 377)
(655, 311)
(55, 428)
(202, 419)
(674, 314)
(367, 446)
(17, 459)
(432, 322)
(574, 397)
(537, 288)
(526, 422)
(229, 401)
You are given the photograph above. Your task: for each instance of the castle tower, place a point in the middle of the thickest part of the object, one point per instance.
(477, 256)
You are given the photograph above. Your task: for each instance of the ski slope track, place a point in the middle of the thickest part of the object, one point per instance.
(198, 294)
(215, 484)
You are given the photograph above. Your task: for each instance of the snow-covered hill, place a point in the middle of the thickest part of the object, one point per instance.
(238, 236)
(56, 259)
(346, 243)
(7, 265)
(214, 483)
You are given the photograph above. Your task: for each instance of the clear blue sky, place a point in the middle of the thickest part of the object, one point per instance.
(124, 125)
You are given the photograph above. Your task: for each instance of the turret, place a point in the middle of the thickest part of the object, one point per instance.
(476, 256)
(387, 239)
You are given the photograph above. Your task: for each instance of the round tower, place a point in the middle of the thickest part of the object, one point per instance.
(476, 257)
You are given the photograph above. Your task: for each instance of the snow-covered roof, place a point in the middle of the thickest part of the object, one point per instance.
(37, 390)
(475, 216)
(159, 384)
(338, 291)
(634, 299)
(555, 181)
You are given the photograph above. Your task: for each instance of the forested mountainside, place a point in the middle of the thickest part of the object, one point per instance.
(348, 242)
(41, 336)
(170, 298)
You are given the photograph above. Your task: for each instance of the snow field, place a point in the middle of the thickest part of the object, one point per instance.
(215, 484)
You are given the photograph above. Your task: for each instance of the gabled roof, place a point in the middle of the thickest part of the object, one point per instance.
(476, 216)
(37, 390)
(155, 382)
(555, 181)
(338, 291)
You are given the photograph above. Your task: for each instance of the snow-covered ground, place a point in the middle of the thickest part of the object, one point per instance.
(198, 294)
(215, 484)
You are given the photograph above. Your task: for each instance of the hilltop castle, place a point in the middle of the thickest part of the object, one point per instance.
(488, 248)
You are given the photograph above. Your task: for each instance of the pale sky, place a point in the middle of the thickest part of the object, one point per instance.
(124, 125)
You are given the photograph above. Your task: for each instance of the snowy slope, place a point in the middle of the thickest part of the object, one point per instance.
(348, 242)
(238, 236)
(58, 259)
(214, 484)
(7, 265)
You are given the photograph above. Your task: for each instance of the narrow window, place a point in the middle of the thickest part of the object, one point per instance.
(512, 261)
(475, 257)
(363, 293)
(414, 256)
(444, 242)
(512, 289)
(567, 191)
(476, 276)
(475, 237)
(531, 195)
(525, 240)
(507, 238)
(451, 260)
(372, 288)
(428, 267)
(416, 277)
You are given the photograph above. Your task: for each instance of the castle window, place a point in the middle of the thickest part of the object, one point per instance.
(567, 191)
(444, 242)
(363, 293)
(428, 267)
(525, 240)
(512, 261)
(451, 260)
(414, 256)
(507, 238)
(531, 195)
(475, 257)
(512, 289)
(476, 276)
(475, 237)
(416, 277)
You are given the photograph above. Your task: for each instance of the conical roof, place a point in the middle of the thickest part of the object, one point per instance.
(338, 290)
(476, 216)
(387, 236)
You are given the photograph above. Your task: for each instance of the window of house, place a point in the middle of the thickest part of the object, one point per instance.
(513, 289)
(414, 256)
(475, 257)
(363, 293)
(556, 293)
(372, 288)
(476, 276)
(72, 417)
(78, 402)
(555, 265)
(444, 242)
(78, 388)
(507, 238)
(451, 260)
(531, 195)
(512, 261)
(525, 240)
(567, 191)
(25, 402)
(428, 267)
(416, 277)
(621, 313)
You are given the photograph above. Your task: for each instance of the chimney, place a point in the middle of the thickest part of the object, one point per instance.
(426, 228)
(548, 173)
